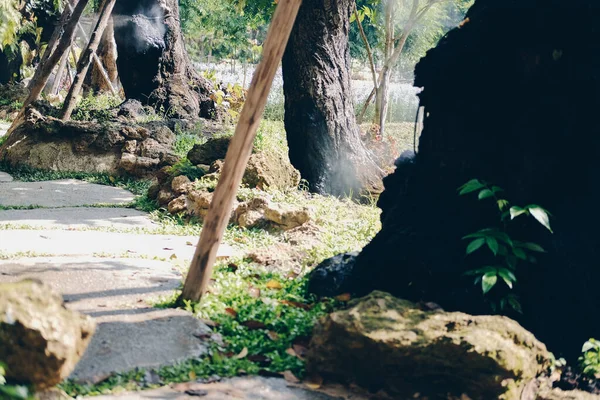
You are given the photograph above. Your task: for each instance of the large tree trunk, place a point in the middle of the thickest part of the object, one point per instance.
(322, 132)
(153, 64)
(517, 108)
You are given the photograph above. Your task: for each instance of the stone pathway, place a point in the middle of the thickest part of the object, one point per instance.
(61, 245)
(107, 263)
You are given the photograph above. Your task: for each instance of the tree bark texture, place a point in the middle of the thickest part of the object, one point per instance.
(153, 64)
(517, 107)
(107, 53)
(323, 136)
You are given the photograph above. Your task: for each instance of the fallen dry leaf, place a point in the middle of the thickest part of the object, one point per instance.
(291, 352)
(173, 256)
(192, 376)
(296, 304)
(290, 377)
(273, 335)
(343, 297)
(252, 324)
(273, 284)
(189, 243)
(242, 354)
(300, 351)
(230, 311)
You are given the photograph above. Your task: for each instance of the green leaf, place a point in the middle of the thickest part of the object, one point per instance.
(497, 189)
(516, 211)
(475, 245)
(481, 271)
(542, 216)
(489, 281)
(492, 244)
(515, 303)
(520, 253)
(589, 345)
(485, 193)
(532, 247)
(507, 276)
(470, 187)
(502, 204)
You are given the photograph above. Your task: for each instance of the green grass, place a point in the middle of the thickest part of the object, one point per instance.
(262, 317)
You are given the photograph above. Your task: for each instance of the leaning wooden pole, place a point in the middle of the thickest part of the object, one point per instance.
(65, 32)
(239, 151)
(86, 58)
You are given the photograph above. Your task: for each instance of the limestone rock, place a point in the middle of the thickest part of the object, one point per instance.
(266, 170)
(198, 202)
(214, 149)
(130, 146)
(134, 164)
(557, 394)
(251, 213)
(180, 184)
(386, 343)
(287, 217)
(36, 327)
(177, 205)
(164, 196)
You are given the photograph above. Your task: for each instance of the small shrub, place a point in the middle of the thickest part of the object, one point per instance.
(590, 360)
(185, 167)
(95, 107)
(507, 252)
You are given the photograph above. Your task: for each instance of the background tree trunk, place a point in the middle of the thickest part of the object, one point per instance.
(323, 136)
(107, 52)
(153, 64)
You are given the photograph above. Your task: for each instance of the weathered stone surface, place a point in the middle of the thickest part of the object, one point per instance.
(61, 193)
(383, 342)
(287, 217)
(197, 203)
(46, 143)
(4, 177)
(557, 394)
(273, 170)
(35, 326)
(165, 196)
(177, 205)
(180, 184)
(332, 276)
(214, 149)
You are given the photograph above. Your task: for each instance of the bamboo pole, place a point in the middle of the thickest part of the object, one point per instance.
(97, 60)
(57, 47)
(239, 151)
(59, 73)
(86, 58)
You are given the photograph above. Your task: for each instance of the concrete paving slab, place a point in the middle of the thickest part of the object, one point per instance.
(77, 218)
(61, 193)
(247, 388)
(118, 293)
(4, 177)
(87, 243)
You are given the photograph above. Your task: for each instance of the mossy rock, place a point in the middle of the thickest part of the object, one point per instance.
(382, 342)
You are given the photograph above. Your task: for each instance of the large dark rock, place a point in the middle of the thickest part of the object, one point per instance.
(207, 153)
(40, 340)
(333, 276)
(384, 343)
(514, 105)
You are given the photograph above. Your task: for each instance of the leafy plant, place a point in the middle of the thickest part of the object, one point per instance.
(96, 107)
(185, 167)
(507, 251)
(590, 360)
(11, 392)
